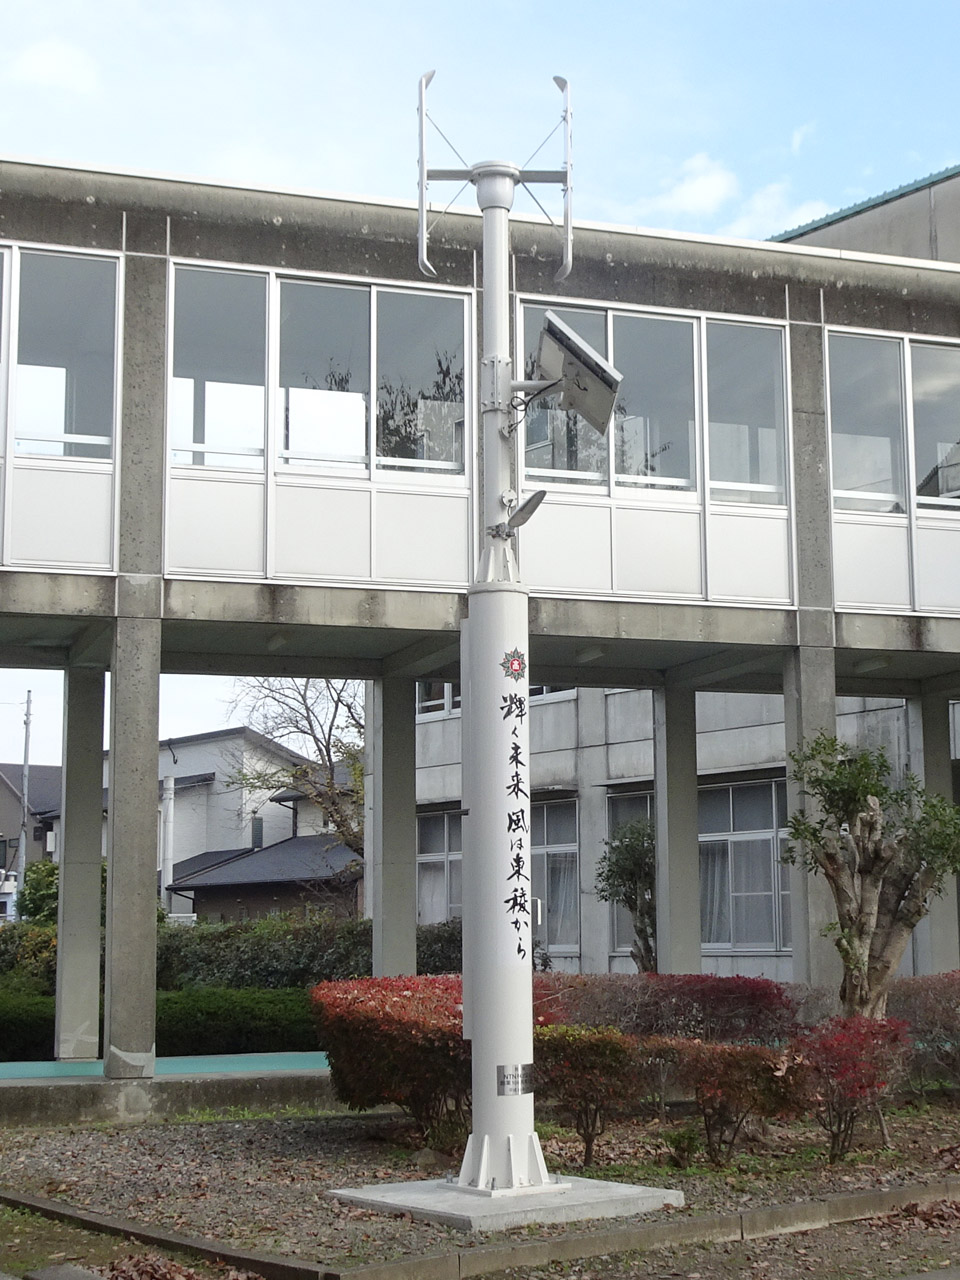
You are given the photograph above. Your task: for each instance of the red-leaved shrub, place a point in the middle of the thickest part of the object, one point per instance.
(591, 1073)
(689, 1006)
(850, 1063)
(729, 1082)
(398, 1040)
(930, 1005)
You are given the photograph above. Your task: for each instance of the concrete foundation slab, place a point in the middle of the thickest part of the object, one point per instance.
(445, 1203)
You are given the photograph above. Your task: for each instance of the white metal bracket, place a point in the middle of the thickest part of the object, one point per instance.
(563, 177)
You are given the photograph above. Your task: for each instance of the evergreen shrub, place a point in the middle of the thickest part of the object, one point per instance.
(27, 1022)
(213, 1020)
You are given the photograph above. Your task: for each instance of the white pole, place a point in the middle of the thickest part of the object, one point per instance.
(503, 1153)
(24, 800)
(166, 842)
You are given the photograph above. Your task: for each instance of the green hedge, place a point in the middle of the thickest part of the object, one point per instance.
(205, 1020)
(211, 1020)
(26, 1027)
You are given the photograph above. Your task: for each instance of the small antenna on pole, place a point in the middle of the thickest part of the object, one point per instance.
(422, 233)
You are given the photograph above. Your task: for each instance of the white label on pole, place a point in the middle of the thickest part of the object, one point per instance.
(515, 1080)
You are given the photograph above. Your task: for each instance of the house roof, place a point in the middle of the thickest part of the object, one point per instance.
(942, 175)
(44, 786)
(300, 858)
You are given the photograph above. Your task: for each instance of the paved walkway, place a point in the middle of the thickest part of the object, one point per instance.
(199, 1065)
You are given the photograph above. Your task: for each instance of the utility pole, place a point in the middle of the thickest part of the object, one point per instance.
(24, 799)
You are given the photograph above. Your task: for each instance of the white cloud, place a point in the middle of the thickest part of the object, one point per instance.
(799, 137)
(701, 189)
(770, 210)
(55, 64)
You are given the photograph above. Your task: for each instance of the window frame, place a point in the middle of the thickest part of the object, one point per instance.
(12, 254)
(547, 851)
(400, 473)
(779, 898)
(915, 507)
(651, 491)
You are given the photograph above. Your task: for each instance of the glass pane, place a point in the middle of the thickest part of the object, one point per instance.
(455, 887)
(786, 924)
(431, 892)
(752, 866)
(537, 825)
(454, 832)
(624, 809)
(753, 920)
(420, 380)
(64, 401)
(866, 423)
(430, 695)
(936, 420)
(714, 893)
(538, 891)
(324, 372)
(746, 402)
(622, 929)
(655, 414)
(781, 794)
(561, 823)
(218, 398)
(753, 807)
(713, 805)
(561, 446)
(563, 895)
(432, 833)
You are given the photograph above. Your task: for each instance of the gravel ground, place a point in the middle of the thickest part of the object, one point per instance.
(261, 1184)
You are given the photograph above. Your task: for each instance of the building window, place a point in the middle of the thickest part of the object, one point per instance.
(63, 401)
(621, 810)
(555, 876)
(745, 399)
(437, 697)
(936, 423)
(561, 447)
(439, 867)
(655, 419)
(324, 373)
(867, 422)
(218, 394)
(679, 372)
(326, 350)
(420, 381)
(744, 885)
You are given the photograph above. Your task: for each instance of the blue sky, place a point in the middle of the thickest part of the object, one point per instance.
(731, 117)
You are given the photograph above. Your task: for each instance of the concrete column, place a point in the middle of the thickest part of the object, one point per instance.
(678, 847)
(81, 839)
(596, 942)
(936, 939)
(131, 948)
(809, 708)
(391, 839)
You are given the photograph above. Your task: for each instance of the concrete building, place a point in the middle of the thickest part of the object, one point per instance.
(251, 428)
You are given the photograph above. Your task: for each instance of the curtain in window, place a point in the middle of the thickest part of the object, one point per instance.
(714, 892)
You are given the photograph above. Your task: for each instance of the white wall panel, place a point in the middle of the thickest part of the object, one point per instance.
(61, 518)
(214, 527)
(322, 532)
(871, 565)
(748, 557)
(566, 547)
(421, 538)
(938, 567)
(657, 552)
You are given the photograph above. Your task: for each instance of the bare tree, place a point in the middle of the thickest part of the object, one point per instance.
(322, 720)
(884, 851)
